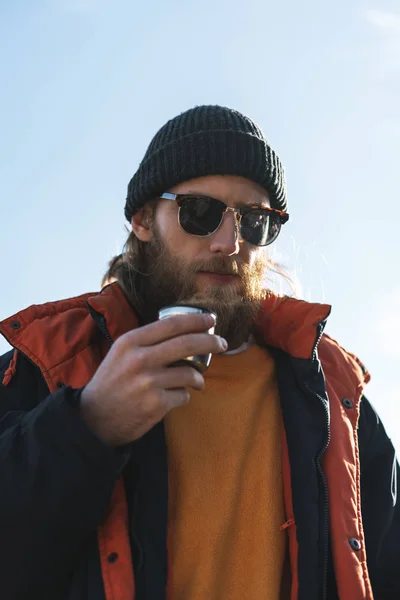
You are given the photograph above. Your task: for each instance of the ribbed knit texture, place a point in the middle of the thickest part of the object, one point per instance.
(206, 140)
(225, 488)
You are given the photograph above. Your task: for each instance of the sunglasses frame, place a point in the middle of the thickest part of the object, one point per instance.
(283, 217)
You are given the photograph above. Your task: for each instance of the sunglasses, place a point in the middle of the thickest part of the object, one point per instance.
(202, 216)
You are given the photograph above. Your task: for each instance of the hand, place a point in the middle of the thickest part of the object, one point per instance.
(133, 388)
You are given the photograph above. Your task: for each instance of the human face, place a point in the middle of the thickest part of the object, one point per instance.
(235, 192)
(221, 272)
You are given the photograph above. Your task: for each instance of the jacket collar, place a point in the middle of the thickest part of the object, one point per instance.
(292, 325)
(51, 333)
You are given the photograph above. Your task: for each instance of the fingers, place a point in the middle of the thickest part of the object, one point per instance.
(159, 331)
(178, 377)
(185, 345)
(174, 398)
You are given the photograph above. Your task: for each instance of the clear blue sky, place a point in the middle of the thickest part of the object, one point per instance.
(86, 83)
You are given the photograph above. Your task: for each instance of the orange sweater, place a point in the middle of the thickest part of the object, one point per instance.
(226, 493)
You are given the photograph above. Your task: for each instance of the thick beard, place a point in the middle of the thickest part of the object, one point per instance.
(171, 280)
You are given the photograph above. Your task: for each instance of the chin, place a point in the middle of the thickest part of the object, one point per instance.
(219, 292)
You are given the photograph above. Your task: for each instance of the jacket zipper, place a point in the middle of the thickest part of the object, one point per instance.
(321, 326)
(326, 507)
(102, 326)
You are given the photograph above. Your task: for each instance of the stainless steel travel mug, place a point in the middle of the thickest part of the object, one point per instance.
(200, 362)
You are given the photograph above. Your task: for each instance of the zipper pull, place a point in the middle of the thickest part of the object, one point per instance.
(287, 524)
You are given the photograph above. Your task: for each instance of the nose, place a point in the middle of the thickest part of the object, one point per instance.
(226, 239)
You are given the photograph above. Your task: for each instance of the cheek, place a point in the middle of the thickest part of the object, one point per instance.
(176, 240)
(167, 223)
(249, 254)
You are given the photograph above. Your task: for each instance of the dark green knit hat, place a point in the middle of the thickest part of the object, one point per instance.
(206, 140)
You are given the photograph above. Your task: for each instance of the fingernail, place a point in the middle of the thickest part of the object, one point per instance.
(211, 319)
(224, 343)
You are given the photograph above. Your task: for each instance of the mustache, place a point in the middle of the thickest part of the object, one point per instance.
(220, 265)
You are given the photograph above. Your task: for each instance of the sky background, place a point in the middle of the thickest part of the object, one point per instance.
(85, 84)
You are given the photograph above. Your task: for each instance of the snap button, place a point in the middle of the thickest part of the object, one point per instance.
(347, 403)
(112, 557)
(355, 544)
(15, 324)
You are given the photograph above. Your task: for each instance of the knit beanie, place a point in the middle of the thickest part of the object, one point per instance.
(206, 140)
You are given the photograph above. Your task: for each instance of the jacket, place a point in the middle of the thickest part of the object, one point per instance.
(82, 521)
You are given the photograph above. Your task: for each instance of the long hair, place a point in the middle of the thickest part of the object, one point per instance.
(110, 275)
(130, 270)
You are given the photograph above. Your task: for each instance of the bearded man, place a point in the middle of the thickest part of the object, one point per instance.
(268, 476)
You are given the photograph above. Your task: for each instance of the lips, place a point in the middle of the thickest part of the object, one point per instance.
(220, 278)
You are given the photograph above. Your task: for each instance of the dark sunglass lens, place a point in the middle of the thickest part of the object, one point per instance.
(259, 228)
(200, 215)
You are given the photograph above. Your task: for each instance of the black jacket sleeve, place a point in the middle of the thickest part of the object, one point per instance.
(380, 505)
(56, 479)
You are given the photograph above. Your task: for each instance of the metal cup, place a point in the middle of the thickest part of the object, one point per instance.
(201, 362)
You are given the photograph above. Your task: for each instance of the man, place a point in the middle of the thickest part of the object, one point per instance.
(269, 476)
